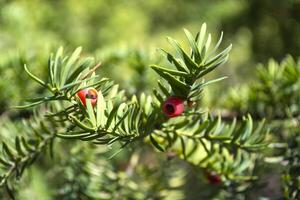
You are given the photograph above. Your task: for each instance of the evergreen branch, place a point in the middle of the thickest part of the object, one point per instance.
(19, 163)
(211, 139)
(15, 160)
(189, 69)
(115, 119)
(274, 95)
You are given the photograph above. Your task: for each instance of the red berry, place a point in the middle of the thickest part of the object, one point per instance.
(173, 106)
(90, 93)
(213, 177)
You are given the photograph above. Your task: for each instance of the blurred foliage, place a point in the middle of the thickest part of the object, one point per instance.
(274, 95)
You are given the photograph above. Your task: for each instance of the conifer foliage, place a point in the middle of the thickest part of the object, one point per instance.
(82, 108)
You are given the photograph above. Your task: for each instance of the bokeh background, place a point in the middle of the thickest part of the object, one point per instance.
(124, 36)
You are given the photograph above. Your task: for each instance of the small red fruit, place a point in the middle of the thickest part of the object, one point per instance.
(90, 93)
(213, 177)
(173, 106)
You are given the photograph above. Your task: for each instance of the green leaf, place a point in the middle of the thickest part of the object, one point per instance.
(101, 105)
(137, 121)
(212, 124)
(170, 71)
(221, 55)
(73, 135)
(80, 124)
(258, 135)
(71, 62)
(207, 44)
(217, 45)
(92, 136)
(71, 85)
(183, 147)
(178, 86)
(163, 89)
(36, 78)
(155, 144)
(50, 69)
(194, 46)
(213, 81)
(238, 133)
(202, 36)
(28, 105)
(57, 66)
(255, 147)
(18, 147)
(187, 60)
(5, 163)
(96, 84)
(39, 100)
(90, 112)
(8, 151)
(158, 96)
(173, 61)
(112, 115)
(201, 128)
(212, 67)
(247, 130)
(196, 90)
(119, 122)
(26, 145)
(193, 150)
(231, 128)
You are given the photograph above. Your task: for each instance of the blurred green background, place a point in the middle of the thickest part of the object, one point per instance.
(124, 36)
